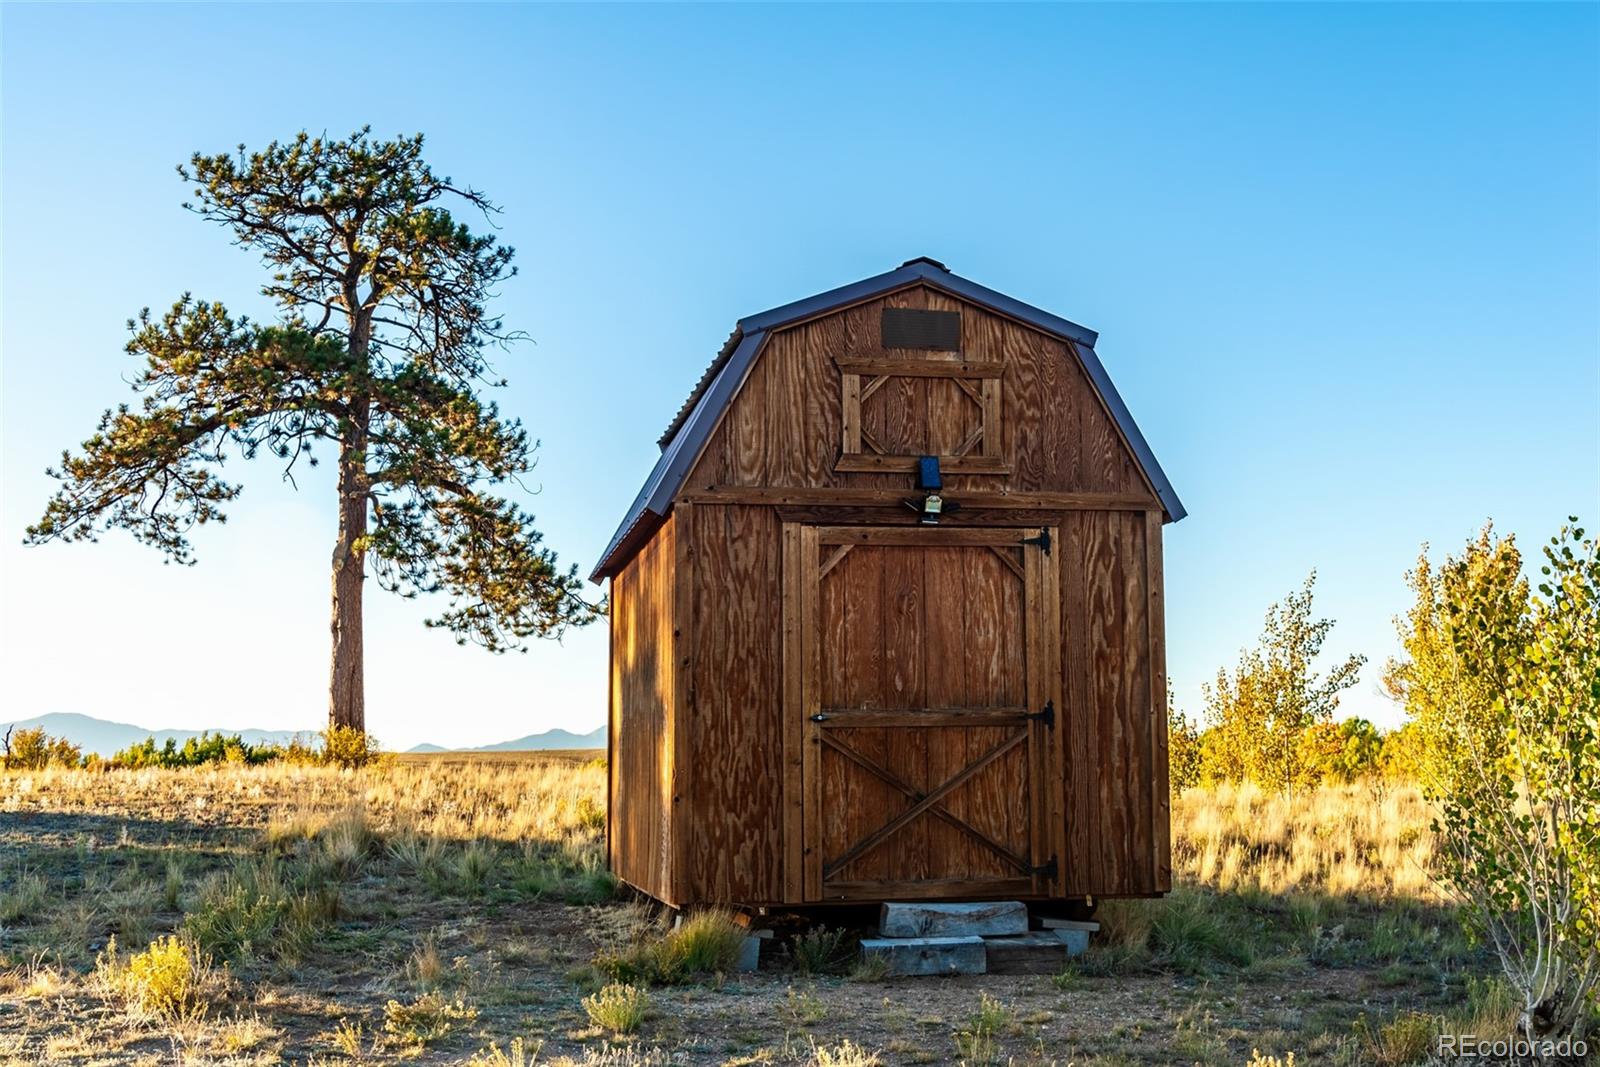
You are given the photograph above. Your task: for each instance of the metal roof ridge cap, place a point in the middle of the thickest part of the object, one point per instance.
(1021, 309)
(783, 314)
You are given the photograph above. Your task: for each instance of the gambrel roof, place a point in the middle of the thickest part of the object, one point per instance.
(691, 428)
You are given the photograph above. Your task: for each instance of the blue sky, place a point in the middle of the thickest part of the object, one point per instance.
(1345, 262)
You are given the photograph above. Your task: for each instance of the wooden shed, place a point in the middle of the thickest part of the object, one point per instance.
(886, 617)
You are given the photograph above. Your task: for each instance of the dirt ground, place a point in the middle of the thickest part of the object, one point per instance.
(83, 861)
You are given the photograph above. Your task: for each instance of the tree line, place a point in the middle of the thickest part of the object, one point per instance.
(1499, 676)
(33, 749)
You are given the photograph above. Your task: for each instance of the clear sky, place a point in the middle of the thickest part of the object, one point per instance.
(1345, 263)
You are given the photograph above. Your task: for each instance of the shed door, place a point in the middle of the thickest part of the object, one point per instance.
(927, 673)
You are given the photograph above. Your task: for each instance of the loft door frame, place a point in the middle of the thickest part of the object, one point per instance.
(807, 548)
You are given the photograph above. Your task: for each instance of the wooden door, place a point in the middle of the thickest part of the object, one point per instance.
(925, 700)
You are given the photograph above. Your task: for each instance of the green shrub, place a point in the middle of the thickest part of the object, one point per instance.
(1183, 749)
(345, 746)
(1339, 752)
(618, 1007)
(164, 981)
(1504, 682)
(34, 750)
(194, 752)
(1406, 1039)
(591, 814)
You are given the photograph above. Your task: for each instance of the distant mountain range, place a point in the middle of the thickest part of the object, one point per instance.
(595, 738)
(103, 737)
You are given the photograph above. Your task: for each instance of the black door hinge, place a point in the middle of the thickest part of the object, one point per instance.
(1046, 715)
(1046, 870)
(1043, 540)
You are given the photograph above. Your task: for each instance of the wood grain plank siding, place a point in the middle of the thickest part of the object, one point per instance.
(786, 427)
(643, 687)
(1115, 620)
(793, 718)
(737, 738)
(1155, 582)
(680, 718)
(1079, 728)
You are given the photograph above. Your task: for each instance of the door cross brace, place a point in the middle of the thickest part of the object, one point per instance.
(942, 813)
(888, 829)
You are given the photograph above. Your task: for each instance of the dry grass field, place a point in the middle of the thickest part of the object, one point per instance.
(452, 909)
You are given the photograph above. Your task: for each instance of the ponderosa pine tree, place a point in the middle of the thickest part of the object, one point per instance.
(379, 355)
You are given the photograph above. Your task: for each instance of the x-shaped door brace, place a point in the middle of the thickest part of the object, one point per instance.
(924, 802)
(871, 385)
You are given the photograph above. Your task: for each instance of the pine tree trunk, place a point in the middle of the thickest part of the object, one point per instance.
(346, 682)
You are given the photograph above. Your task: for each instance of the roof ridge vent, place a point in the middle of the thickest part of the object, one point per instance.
(928, 260)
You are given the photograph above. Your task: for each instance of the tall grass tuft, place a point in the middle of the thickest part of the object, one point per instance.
(618, 1007)
(707, 942)
(254, 911)
(821, 951)
(22, 896)
(978, 1040)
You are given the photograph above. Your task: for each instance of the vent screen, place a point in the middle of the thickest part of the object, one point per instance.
(916, 328)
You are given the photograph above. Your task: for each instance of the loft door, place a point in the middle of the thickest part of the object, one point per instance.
(924, 693)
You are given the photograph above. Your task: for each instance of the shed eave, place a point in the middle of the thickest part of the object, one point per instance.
(678, 458)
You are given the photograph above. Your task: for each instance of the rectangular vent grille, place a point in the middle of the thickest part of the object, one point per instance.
(916, 328)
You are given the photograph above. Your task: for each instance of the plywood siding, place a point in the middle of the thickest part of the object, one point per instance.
(785, 427)
(1112, 778)
(642, 703)
(735, 851)
(716, 573)
(1116, 783)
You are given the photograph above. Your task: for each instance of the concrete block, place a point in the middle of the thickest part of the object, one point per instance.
(1069, 924)
(988, 919)
(1076, 941)
(928, 955)
(749, 954)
